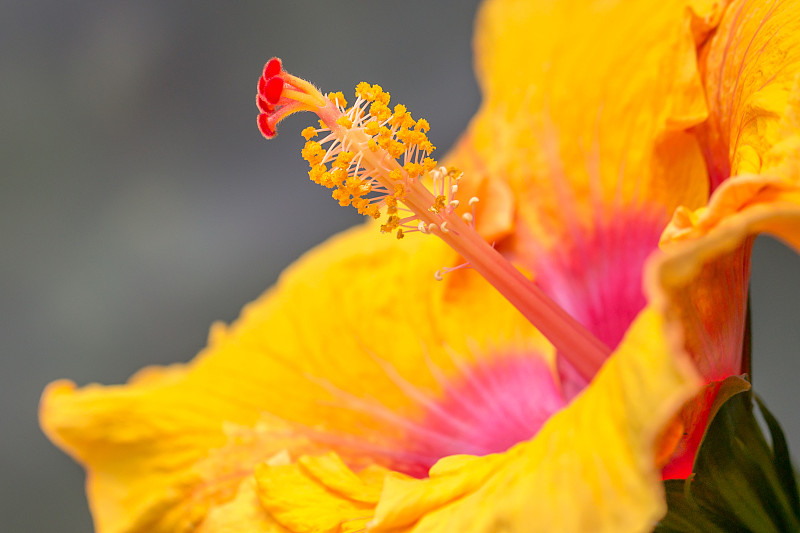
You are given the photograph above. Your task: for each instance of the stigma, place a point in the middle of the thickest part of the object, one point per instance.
(378, 160)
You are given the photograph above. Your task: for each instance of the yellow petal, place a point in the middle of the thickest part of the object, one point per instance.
(175, 442)
(591, 468)
(319, 494)
(587, 107)
(783, 157)
(706, 15)
(243, 514)
(749, 66)
(157, 451)
(585, 110)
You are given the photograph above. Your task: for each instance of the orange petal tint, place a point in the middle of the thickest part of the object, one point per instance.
(749, 68)
(702, 276)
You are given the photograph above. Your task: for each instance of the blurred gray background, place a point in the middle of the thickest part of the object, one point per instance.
(139, 203)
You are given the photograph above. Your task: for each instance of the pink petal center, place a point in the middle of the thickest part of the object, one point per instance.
(484, 406)
(493, 405)
(596, 276)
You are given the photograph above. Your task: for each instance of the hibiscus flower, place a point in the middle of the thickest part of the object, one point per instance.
(625, 156)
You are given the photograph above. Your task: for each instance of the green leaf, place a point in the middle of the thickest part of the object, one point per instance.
(684, 516)
(783, 462)
(739, 483)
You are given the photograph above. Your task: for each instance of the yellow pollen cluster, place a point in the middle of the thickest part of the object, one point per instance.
(338, 99)
(371, 93)
(309, 133)
(313, 153)
(370, 154)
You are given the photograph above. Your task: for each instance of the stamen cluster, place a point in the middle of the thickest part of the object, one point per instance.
(385, 133)
(370, 155)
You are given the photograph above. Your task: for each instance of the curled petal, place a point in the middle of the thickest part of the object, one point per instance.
(750, 68)
(702, 278)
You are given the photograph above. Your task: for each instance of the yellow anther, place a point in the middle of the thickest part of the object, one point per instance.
(412, 137)
(474, 200)
(391, 223)
(345, 122)
(342, 196)
(395, 148)
(399, 190)
(309, 133)
(371, 92)
(338, 99)
(380, 111)
(352, 183)
(467, 217)
(400, 234)
(338, 175)
(362, 89)
(372, 127)
(405, 135)
(313, 152)
(399, 115)
(428, 164)
(343, 160)
(372, 145)
(439, 204)
(316, 173)
(326, 180)
(423, 126)
(413, 169)
(384, 137)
